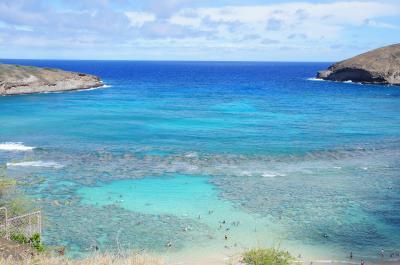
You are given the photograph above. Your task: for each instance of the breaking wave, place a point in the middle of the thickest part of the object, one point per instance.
(39, 163)
(11, 146)
(315, 79)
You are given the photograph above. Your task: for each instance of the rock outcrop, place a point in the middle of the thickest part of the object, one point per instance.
(17, 79)
(380, 66)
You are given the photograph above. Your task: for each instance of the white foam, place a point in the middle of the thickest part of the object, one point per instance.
(10, 146)
(315, 79)
(74, 90)
(39, 163)
(86, 89)
(322, 80)
(90, 89)
(191, 154)
(272, 175)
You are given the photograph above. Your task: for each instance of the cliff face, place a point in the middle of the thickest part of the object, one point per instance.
(380, 66)
(16, 79)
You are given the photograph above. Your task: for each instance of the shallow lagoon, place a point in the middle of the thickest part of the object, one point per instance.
(312, 166)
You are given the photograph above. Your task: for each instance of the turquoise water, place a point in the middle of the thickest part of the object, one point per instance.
(160, 158)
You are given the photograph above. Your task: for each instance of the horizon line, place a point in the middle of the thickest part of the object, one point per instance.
(165, 60)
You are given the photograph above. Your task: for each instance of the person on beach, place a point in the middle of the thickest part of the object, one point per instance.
(362, 262)
(61, 251)
(382, 253)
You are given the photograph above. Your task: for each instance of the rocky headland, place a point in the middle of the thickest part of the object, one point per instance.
(379, 66)
(17, 79)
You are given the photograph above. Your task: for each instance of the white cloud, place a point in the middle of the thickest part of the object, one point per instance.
(182, 25)
(378, 24)
(137, 19)
(315, 21)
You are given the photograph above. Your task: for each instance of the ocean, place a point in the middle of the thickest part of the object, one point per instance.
(196, 159)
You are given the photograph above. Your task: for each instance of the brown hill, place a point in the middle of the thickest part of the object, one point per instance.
(17, 79)
(380, 66)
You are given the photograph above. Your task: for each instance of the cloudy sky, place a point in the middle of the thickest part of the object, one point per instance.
(253, 30)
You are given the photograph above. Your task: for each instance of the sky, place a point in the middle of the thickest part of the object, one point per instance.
(218, 30)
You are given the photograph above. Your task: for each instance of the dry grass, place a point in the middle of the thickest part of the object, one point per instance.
(100, 259)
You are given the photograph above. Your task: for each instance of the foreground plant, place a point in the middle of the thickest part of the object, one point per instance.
(34, 241)
(11, 197)
(267, 256)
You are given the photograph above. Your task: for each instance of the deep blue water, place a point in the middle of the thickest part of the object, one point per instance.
(316, 157)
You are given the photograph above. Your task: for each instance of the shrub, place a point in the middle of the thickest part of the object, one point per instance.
(34, 240)
(268, 256)
(19, 238)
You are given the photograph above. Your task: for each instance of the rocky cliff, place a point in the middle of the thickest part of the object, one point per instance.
(16, 79)
(380, 66)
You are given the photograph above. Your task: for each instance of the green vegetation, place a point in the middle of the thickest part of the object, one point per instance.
(268, 256)
(34, 241)
(16, 204)
(5, 185)
(10, 197)
(19, 238)
(50, 69)
(15, 72)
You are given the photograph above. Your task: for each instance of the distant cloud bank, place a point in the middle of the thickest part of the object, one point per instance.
(191, 30)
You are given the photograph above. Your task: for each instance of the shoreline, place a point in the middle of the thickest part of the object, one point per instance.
(201, 256)
(61, 91)
(235, 260)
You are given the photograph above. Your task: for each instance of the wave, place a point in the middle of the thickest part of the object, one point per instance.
(39, 163)
(315, 79)
(15, 146)
(272, 174)
(93, 88)
(346, 82)
(352, 82)
(75, 90)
